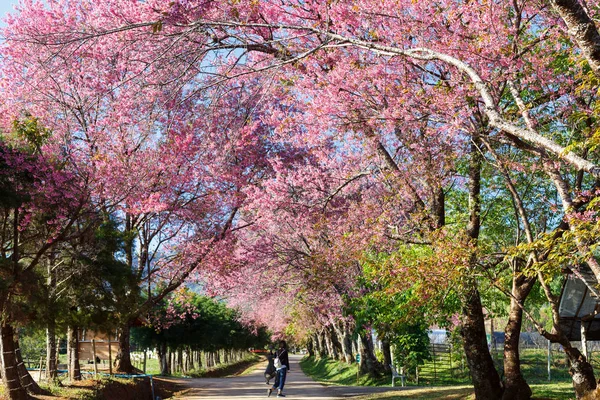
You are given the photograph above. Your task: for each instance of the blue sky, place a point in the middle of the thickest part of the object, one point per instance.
(6, 6)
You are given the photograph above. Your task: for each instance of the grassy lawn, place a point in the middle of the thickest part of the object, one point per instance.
(456, 387)
(459, 392)
(337, 373)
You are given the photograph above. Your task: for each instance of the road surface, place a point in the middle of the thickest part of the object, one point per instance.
(252, 386)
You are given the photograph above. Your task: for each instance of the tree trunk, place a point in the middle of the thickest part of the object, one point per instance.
(315, 341)
(123, 358)
(162, 359)
(368, 362)
(190, 359)
(515, 386)
(27, 381)
(51, 373)
(15, 389)
(582, 30)
(581, 371)
(484, 376)
(345, 341)
(180, 360)
(73, 351)
(329, 342)
(322, 347)
(387, 356)
(310, 346)
(337, 345)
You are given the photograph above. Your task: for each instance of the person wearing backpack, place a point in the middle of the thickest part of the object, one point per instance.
(282, 365)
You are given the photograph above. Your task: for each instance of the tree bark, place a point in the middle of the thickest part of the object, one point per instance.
(190, 359)
(27, 380)
(322, 347)
(345, 341)
(329, 341)
(123, 358)
(438, 207)
(337, 345)
(386, 348)
(162, 359)
(15, 389)
(73, 351)
(310, 346)
(484, 376)
(581, 371)
(51, 373)
(368, 362)
(180, 360)
(582, 30)
(515, 386)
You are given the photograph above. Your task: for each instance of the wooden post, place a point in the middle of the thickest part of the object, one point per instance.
(451, 369)
(40, 375)
(434, 365)
(109, 355)
(417, 375)
(549, 360)
(144, 365)
(94, 356)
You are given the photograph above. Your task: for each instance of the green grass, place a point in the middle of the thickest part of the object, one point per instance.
(152, 364)
(336, 373)
(553, 390)
(226, 369)
(446, 393)
(456, 387)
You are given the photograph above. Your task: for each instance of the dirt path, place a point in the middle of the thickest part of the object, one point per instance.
(252, 386)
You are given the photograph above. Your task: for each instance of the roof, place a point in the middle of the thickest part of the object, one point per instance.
(579, 302)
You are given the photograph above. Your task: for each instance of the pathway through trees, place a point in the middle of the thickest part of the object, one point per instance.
(252, 386)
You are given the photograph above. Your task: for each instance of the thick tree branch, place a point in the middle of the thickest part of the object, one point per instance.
(582, 30)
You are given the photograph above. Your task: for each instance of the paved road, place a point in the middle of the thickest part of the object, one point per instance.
(252, 386)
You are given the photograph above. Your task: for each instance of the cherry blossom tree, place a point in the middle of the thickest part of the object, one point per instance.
(399, 75)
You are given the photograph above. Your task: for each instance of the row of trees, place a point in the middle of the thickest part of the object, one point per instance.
(310, 160)
(193, 325)
(66, 268)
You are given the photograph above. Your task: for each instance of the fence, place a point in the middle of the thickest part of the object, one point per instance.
(539, 363)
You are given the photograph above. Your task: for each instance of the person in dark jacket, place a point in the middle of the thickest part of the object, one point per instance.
(282, 369)
(270, 371)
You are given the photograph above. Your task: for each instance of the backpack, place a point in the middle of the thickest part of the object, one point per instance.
(277, 361)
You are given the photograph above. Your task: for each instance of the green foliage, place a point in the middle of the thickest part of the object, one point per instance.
(411, 346)
(101, 284)
(224, 370)
(31, 131)
(205, 324)
(32, 343)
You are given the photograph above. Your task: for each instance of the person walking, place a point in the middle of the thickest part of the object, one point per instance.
(282, 364)
(270, 371)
